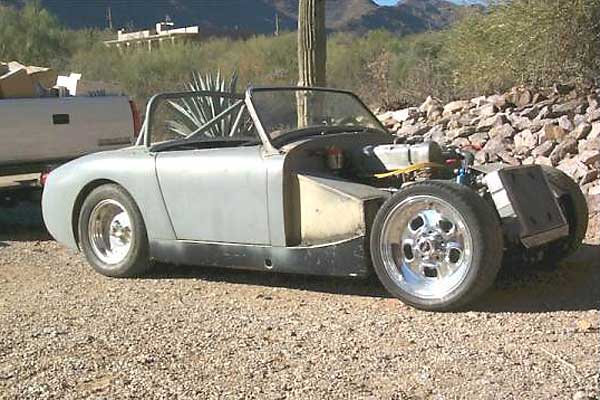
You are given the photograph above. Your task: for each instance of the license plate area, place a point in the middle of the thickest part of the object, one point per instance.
(522, 194)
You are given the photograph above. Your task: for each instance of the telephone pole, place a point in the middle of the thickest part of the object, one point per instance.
(109, 20)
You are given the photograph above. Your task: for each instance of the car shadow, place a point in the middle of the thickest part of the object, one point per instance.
(572, 286)
(365, 287)
(22, 223)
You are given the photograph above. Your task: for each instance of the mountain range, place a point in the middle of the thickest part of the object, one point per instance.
(252, 16)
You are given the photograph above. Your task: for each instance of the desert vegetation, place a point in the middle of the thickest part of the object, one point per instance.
(531, 42)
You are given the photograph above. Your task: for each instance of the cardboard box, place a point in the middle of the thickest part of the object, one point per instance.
(44, 76)
(17, 84)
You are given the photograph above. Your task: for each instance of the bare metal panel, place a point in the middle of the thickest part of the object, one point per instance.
(132, 168)
(216, 194)
(343, 258)
(522, 194)
(332, 209)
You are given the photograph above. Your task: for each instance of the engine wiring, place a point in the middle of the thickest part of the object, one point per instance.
(409, 169)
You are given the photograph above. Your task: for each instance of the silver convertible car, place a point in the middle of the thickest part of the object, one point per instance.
(308, 181)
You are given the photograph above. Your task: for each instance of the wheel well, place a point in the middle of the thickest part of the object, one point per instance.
(79, 202)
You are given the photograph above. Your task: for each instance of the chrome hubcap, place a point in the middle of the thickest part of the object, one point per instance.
(426, 247)
(110, 232)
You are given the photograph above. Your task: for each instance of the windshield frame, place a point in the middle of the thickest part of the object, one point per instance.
(145, 139)
(256, 116)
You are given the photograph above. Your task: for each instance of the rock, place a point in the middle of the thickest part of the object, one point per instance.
(437, 134)
(589, 177)
(543, 161)
(566, 108)
(563, 149)
(479, 139)
(553, 132)
(432, 108)
(491, 122)
(594, 132)
(406, 114)
(413, 130)
(503, 131)
(529, 161)
(479, 101)
(538, 98)
(526, 139)
(563, 89)
(482, 157)
(573, 168)
(530, 112)
(580, 396)
(461, 142)
(593, 102)
(537, 125)
(582, 131)
(498, 144)
(589, 144)
(523, 151)
(461, 132)
(565, 123)
(544, 149)
(545, 113)
(594, 115)
(579, 119)
(518, 122)
(500, 101)
(487, 110)
(525, 98)
(589, 157)
(457, 106)
(508, 158)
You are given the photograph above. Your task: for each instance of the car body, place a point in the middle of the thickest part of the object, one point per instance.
(260, 183)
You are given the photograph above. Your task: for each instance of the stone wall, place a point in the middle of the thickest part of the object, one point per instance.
(558, 126)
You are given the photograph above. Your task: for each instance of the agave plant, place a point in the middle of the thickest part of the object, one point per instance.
(196, 111)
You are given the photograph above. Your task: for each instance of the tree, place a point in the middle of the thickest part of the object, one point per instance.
(312, 53)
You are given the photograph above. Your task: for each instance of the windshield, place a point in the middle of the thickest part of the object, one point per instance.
(284, 111)
(201, 116)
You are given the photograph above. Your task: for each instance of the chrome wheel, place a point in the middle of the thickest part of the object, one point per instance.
(426, 247)
(110, 232)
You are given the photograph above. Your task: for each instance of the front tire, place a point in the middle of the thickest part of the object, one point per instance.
(112, 233)
(436, 245)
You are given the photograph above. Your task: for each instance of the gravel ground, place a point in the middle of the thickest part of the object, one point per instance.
(69, 333)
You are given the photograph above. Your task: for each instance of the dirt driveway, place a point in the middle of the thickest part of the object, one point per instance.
(69, 333)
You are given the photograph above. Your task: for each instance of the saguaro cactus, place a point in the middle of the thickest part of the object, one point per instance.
(312, 53)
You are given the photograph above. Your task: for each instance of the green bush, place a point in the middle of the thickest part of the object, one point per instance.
(536, 42)
(533, 42)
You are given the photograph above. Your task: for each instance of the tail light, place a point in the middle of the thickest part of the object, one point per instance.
(135, 114)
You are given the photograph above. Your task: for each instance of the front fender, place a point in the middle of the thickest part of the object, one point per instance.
(132, 168)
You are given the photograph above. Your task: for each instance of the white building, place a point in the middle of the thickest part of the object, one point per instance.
(164, 32)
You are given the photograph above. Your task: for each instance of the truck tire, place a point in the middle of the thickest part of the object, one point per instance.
(574, 205)
(112, 233)
(436, 245)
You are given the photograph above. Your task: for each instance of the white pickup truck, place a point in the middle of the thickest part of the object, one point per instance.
(38, 133)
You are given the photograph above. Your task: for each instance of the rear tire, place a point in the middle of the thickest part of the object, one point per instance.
(112, 233)
(436, 245)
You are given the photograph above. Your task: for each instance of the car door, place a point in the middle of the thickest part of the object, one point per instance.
(216, 195)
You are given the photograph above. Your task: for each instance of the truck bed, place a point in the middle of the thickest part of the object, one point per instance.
(38, 132)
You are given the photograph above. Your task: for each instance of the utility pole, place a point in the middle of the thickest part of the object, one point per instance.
(109, 18)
